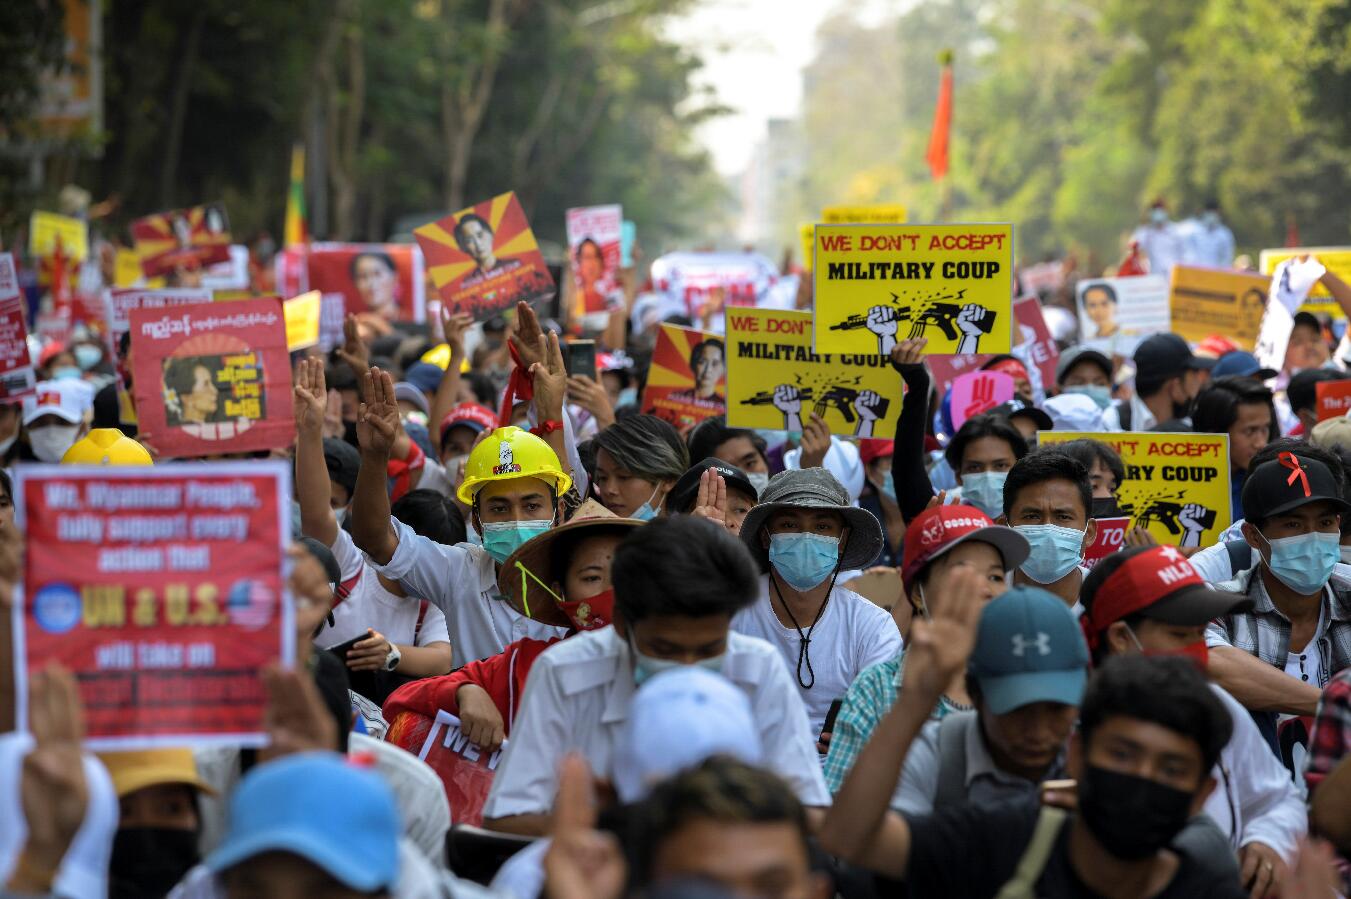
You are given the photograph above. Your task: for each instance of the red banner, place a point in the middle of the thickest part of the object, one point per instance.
(381, 279)
(213, 379)
(466, 772)
(16, 366)
(1111, 537)
(1334, 398)
(162, 589)
(1033, 343)
(484, 259)
(195, 237)
(688, 379)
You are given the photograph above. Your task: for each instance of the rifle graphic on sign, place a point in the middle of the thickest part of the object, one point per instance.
(963, 322)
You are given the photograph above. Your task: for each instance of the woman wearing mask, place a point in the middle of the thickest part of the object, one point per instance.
(55, 417)
(638, 461)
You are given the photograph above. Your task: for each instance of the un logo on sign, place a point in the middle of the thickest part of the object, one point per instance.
(56, 608)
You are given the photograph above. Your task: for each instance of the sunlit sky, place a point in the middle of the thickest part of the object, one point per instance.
(754, 52)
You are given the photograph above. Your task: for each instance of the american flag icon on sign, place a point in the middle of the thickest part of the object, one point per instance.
(250, 604)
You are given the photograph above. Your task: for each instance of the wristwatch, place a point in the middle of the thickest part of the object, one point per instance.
(392, 660)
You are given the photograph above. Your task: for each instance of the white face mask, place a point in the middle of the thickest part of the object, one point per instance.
(8, 442)
(50, 443)
(759, 480)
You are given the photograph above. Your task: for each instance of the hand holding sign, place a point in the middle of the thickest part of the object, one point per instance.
(480, 720)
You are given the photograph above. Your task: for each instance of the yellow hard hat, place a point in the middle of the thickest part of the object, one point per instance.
(440, 357)
(106, 446)
(510, 453)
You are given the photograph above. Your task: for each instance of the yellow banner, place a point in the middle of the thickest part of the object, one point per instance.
(883, 214)
(45, 227)
(126, 268)
(1176, 486)
(1338, 261)
(807, 233)
(879, 284)
(775, 381)
(1205, 301)
(302, 320)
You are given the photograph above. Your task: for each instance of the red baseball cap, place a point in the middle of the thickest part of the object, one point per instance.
(1157, 582)
(1216, 346)
(473, 416)
(937, 530)
(873, 448)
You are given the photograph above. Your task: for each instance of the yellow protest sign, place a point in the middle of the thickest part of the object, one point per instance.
(879, 284)
(883, 214)
(302, 320)
(1205, 301)
(1176, 485)
(126, 268)
(807, 233)
(1338, 261)
(776, 381)
(45, 227)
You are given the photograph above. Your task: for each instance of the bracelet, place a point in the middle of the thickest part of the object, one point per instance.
(547, 426)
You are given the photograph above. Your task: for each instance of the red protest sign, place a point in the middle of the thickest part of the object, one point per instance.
(484, 259)
(945, 369)
(977, 392)
(162, 590)
(195, 237)
(688, 378)
(119, 302)
(1111, 537)
(380, 279)
(466, 772)
(16, 366)
(213, 378)
(1334, 398)
(1032, 342)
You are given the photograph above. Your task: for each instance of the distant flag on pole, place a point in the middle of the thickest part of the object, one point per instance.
(1291, 230)
(938, 138)
(295, 232)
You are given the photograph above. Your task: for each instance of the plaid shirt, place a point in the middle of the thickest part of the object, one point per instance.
(868, 699)
(1265, 631)
(1330, 741)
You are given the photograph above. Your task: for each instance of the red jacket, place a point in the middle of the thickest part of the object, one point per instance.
(502, 676)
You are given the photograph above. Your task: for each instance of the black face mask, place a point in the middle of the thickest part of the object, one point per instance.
(1105, 507)
(1133, 817)
(149, 861)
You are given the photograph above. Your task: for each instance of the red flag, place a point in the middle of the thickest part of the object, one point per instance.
(1291, 230)
(938, 138)
(1132, 264)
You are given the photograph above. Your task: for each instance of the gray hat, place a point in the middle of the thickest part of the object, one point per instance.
(813, 488)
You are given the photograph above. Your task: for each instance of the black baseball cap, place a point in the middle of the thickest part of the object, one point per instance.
(1167, 355)
(1308, 320)
(686, 490)
(1018, 407)
(1073, 357)
(1302, 391)
(343, 462)
(1288, 482)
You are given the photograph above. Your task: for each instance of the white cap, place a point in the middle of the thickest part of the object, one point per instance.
(676, 720)
(1074, 412)
(69, 399)
(84, 869)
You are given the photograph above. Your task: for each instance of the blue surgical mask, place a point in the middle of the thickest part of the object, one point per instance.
(985, 491)
(341, 515)
(502, 538)
(804, 560)
(1304, 563)
(627, 397)
(66, 373)
(645, 667)
(1158, 216)
(646, 512)
(87, 355)
(1098, 393)
(887, 487)
(1055, 551)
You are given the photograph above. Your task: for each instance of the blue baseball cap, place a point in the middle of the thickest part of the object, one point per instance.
(424, 376)
(316, 805)
(1029, 648)
(1239, 362)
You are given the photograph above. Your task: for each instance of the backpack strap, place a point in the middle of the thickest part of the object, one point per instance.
(952, 731)
(1240, 555)
(421, 614)
(1023, 883)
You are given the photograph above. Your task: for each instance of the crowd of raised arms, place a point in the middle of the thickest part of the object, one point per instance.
(676, 658)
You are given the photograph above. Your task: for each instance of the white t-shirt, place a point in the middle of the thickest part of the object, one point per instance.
(370, 605)
(851, 634)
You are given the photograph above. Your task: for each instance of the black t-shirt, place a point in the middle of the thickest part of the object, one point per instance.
(972, 851)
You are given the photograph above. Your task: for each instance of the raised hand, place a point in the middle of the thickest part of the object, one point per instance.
(378, 418)
(295, 717)
(453, 326)
(354, 350)
(525, 338)
(582, 862)
(940, 645)
(311, 397)
(711, 502)
(815, 442)
(550, 377)
(333, 425)
(909, 351)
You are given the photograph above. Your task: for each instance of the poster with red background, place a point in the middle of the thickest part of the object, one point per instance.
(1334, 399)
(380, 279)
(16, 365)
(213, 378)
(1111, 537)
(484, 259)
(162, 589)
(195, 237)
(688, 379)
(594, 236)
(466, 772)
